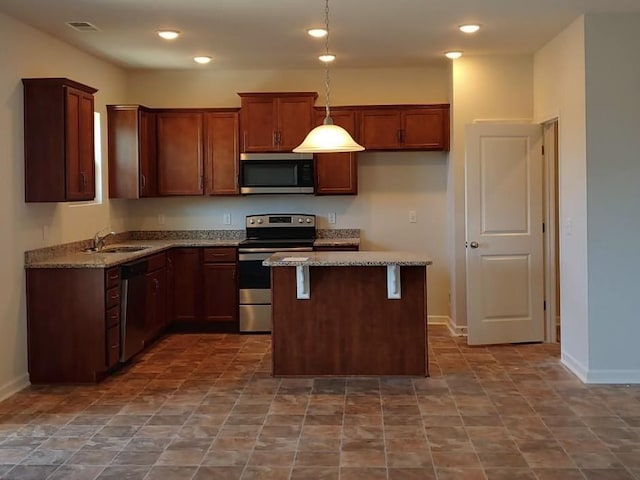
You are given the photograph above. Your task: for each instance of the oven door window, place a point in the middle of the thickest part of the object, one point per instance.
(269, 174)
(252, 274)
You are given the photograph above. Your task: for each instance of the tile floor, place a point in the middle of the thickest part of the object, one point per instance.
(204, 407)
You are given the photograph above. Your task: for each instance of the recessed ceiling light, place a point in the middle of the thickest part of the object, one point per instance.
(169, 34)
(202, 59)
(327, 57)
(469, 28)
(453, 55)
(317, 32)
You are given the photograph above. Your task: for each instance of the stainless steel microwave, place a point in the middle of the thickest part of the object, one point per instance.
(269, 173)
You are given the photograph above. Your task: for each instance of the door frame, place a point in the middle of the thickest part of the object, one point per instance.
(550, 199)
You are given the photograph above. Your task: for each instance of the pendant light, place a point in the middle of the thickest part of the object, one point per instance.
(328, 138)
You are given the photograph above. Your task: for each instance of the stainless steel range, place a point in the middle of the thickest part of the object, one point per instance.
(267, 234)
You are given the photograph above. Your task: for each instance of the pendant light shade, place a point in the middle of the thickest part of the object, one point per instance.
(328, 138)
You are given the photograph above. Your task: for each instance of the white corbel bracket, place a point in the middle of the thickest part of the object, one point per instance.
(393, 282)
(303, 290)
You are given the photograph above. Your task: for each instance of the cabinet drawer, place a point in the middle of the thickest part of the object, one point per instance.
(113, 277)
(113, 316)
(156, 262)
(113, 346)
(218, 255)
(113, 297)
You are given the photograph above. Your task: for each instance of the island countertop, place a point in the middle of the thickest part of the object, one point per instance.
(346, 259)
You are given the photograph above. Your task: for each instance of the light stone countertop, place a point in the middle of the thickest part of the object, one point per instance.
(346, 259)
(336, 242)
(81, 259)
(105, 260)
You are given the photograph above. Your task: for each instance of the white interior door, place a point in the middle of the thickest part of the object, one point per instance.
(505, 269)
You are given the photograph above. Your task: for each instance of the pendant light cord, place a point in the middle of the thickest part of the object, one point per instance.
(327, 79)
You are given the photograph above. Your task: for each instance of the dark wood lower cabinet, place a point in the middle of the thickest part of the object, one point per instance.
(185, 284)
(204, 288)
(72, 337)
(221, 292)
(74, 314)
(156, 297)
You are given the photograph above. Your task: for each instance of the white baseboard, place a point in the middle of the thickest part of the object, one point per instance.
(609, 377)
(437, 320)
(457, 331)
(14, 386)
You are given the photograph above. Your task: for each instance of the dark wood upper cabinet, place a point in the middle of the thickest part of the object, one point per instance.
(404, 127)
(180, 153)
(221, 155)
(58, 140)
(337, 173)
(131, 147)
(275, 122)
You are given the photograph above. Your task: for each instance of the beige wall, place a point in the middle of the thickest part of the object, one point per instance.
(559, 91)
(390, 184)
(33, 54)
(484, 88)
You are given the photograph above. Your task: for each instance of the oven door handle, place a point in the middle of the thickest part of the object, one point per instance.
(271, 250)
(248, 257)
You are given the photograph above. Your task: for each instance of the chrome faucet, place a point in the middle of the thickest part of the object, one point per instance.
(98, 241)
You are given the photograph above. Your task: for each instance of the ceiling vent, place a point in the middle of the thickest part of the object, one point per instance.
(83, 26)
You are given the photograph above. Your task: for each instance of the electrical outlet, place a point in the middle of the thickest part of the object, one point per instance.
(161, 219)
(226, 219)
(45, 232)
(331, 216)
(412, 216)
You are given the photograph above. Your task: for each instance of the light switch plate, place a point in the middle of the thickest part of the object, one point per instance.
(331, 217)
(226, 219)
(160, 219)
(412, 216)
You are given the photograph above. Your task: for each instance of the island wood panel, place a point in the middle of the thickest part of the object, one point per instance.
(348, 326)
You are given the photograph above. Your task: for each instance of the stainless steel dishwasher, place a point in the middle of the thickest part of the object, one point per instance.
(133, 306)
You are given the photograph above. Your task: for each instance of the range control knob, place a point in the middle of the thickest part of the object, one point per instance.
(252, 221)
(300, 220)
(308, 220)
(259, 220)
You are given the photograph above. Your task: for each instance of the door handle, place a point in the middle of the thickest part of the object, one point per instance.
(474, 245)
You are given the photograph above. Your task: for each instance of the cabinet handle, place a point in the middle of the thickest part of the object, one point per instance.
(399, 136)
(143, 181)
(275, 138)
(114, 276)
(279, 137)
(244, 141)
(156, 284)
(201, 181)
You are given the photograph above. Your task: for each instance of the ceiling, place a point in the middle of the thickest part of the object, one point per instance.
(243, 34)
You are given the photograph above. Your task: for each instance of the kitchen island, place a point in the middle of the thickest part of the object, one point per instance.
(349, 313)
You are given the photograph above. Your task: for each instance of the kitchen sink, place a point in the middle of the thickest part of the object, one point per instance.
(121, 249)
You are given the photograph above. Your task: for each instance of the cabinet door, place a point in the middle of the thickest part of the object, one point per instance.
(221, 154)
(337, 173)
(186, 272)
(156, 311)
(148, 177)
(380, 129)
(179, 144)
(220, 292)
(295, 121)
(132, 158)
(80, 164)
(258, 123)
(424, 129)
